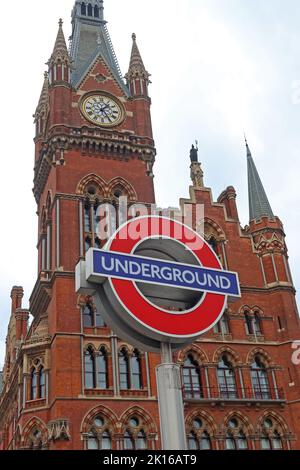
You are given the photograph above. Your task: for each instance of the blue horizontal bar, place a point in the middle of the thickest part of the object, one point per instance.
(165, 273)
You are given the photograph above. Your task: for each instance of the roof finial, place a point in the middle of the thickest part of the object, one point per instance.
(60, 23)
(133, 36)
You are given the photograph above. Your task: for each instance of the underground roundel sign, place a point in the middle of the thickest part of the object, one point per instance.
(157, 281)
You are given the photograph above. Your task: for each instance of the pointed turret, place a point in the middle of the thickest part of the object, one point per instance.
(259, 205)
(137, 76)
(42, 109)
(59, 62)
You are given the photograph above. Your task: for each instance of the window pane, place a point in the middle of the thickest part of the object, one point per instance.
(265, 443)
(205, 443)
(128, 442)
(88, 316)
(89, 370)
(136, 372)
(93, 443)
(99, 320)
(192, 442)
(124, 371)
(106, 441)
(101, 361)
(42, 383)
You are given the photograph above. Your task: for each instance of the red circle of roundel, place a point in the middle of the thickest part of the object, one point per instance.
(194, 321)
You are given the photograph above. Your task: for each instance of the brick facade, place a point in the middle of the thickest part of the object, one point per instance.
(47, 400)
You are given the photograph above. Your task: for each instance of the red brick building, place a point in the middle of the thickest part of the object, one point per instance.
(68, 381)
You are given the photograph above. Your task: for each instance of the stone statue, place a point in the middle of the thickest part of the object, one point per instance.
(194, 154)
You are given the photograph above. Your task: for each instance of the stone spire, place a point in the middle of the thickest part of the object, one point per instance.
(44, 98)
(259, 205)
(137, 76)
(59, 62)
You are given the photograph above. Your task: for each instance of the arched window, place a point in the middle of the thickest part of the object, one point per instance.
(214, 244)
(102, 369)
(257, 324)
(141, 441)
(96, 11)
(87, 218)
(89, 369)
(198, 436)
(193, 443)
(83, 8)
(135, 437)
(42, 383)
(260, 381)
(88, 316)
(222, 327)
(226, 379)
(192, 378)
(248, 324)
(34, 384)
(136, 371)
(124, 370)
(35, 441)
(235, 438)
(128, 441)
(271, 438)
(100, 323)
(99, 437)
(90, 10)
(92, 318)
(205, 442)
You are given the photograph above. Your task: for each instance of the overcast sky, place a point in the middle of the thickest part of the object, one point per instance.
(219, 68)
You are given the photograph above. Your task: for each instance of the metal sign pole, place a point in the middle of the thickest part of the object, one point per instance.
(170, 402)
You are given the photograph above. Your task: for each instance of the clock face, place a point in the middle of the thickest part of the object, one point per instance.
(102, 110)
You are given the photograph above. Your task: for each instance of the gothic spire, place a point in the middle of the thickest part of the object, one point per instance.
(44, 98)
(259, 205)
(60, 51)
(137, 76)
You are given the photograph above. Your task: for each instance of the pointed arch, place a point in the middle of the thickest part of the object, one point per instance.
(123, 185)
(244, 420)
(34, 423)
(196, 351)
(259, 352)
(100, 410)
(90, 180)
(234, 356)
(207, 419)
(144, 415)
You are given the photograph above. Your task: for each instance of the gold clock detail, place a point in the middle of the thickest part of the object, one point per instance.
(102, 110)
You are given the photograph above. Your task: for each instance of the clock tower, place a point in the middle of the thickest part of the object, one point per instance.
(94, 144)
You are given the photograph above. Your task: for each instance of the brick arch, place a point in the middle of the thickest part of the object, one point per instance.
(88, 180)
(141, 413)
(197, 353)
(89, 346)
(125, 347)
(203, 415)
(278, 419)
(106, 347)
(106, 412)
(33, 423)
(226, 349)
(253, 352)
(247, 425)
(218, 232)
(123, 184)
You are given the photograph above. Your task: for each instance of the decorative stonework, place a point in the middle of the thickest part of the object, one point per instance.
(197, 175)
(59, 430)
